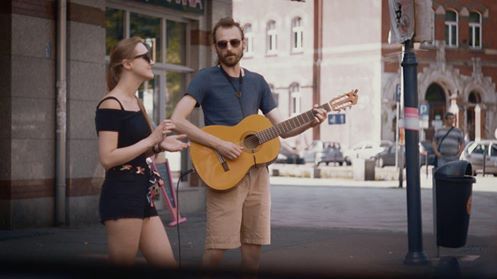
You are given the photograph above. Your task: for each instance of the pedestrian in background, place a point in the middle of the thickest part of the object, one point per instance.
(448, 142)
(125, 140)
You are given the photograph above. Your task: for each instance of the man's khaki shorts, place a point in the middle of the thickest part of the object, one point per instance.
(241, 214)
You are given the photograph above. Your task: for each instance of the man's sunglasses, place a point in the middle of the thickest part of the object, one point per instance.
(224, 44)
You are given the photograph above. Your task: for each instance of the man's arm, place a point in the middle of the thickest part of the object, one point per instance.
(461, 144)
(183, 109)
(275, 117)
(434, 144)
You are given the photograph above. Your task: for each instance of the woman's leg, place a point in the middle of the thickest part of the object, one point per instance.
(154, 243)
(123, 237)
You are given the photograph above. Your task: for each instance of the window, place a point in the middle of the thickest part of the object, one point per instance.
(276, 96)
(474, 30)
(451, 31)
(149, 28)
(479, 149)
(493, 150)
(272, 38)
(294, 99)
(114, 28)
(175, 42)
(249, 38)
(297, 35)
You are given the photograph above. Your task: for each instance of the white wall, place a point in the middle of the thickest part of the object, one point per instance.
(352, 59)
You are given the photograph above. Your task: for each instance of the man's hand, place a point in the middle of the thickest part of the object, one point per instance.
(229, 150)
(319, 115)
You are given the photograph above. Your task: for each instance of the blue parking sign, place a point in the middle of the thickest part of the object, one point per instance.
(423, 109)
(338, 118)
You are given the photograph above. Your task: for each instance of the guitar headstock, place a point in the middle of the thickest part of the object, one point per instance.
(344, 101)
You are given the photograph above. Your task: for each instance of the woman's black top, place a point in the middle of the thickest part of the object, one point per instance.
(124, 191)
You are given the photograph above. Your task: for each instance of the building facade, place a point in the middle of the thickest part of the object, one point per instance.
(456, 70)
(54, 57)
(280, 38)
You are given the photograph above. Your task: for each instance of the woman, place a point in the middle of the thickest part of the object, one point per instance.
(125, 140)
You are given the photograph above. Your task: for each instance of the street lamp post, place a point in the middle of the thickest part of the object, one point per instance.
(415, 255)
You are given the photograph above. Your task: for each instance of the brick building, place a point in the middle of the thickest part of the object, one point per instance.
(457, 71)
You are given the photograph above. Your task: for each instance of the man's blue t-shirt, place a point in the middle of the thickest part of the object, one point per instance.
(219, 101)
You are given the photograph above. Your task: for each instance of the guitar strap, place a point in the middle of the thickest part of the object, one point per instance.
(238, 93)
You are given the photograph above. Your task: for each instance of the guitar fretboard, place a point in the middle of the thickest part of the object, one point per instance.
(288, 125)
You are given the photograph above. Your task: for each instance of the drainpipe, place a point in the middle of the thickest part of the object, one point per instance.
(317, 59)
(61, 113)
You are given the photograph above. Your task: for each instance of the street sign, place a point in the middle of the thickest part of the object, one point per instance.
(338, 118)
(424, 116)
(423, 109)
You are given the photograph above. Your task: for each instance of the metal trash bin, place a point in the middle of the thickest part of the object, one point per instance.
(453, 185)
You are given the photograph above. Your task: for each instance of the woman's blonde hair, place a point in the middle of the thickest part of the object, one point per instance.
(125, 49)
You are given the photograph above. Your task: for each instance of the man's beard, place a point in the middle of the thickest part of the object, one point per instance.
(230, 59)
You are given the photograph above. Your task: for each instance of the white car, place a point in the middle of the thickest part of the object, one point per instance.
(365, 150)
(481, 153)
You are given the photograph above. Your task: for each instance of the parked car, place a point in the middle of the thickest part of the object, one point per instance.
(365, 150)
(478, 152)
(332, 153)
(288, 155)
(386, 157)
(310, 152)
(426, 154)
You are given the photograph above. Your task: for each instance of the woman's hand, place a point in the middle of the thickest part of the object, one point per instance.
(173, 143)
(160, 131)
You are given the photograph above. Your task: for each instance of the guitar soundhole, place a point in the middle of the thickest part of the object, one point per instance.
(251, 142)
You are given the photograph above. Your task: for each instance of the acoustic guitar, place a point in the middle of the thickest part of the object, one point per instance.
(260, 140)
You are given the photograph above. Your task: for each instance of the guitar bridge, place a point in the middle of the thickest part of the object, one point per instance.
(223, 162)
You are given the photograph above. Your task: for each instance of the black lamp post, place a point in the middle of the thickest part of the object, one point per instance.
(415, 255)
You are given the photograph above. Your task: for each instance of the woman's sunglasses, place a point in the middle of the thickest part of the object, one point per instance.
(224, 44)
(145, 56)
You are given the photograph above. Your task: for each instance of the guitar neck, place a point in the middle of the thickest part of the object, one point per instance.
(288, 125)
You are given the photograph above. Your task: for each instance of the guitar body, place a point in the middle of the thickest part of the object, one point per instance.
(209, 164)
(259, 139)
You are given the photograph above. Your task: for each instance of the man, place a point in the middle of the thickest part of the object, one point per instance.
(239, 217)
(448, 142)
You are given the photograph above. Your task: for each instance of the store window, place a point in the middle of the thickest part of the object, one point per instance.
(114, 28)
(451, 31)
(474, 30)
(271, 38)
(149, 28)
(176, 41)
(176, 87)
(297, 35)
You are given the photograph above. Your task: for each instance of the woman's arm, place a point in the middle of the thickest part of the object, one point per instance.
(110, 155)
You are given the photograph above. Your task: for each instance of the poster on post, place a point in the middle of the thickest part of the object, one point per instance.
(401, 20)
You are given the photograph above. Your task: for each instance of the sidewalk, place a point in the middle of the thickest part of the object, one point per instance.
(353, 229)
(295, 252)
